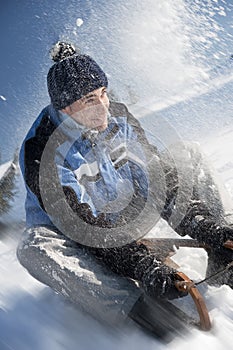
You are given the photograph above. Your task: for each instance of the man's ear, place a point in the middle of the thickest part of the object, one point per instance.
(67, 110)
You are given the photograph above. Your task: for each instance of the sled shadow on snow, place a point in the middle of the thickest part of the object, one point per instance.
(49, 321)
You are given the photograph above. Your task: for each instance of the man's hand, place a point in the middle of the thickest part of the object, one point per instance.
(161, 282)
(222, 244)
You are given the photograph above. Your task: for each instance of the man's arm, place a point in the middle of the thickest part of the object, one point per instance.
(135, 261)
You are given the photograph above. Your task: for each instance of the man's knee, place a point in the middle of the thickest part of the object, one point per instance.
(70, 271)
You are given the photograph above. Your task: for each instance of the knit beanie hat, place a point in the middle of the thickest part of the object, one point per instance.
(72, 76)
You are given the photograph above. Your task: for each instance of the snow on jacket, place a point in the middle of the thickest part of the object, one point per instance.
(95, 171)
(101, 173)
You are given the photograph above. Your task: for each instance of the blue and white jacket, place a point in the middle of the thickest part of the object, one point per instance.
(103, 174)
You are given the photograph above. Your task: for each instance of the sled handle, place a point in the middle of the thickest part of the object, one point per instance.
(185, 284)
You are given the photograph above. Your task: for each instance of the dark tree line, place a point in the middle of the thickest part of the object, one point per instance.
(7, 186)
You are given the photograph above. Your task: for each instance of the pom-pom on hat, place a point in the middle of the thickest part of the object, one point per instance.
(72, 76)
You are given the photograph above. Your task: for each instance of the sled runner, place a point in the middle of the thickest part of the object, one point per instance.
(162, 317)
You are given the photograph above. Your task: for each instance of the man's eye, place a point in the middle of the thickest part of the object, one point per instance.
(104, 93)
(90, 100)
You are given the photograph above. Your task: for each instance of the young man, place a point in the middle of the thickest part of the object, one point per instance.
(90, 174)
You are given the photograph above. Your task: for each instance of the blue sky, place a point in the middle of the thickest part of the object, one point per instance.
(19, 68)
(29, 28)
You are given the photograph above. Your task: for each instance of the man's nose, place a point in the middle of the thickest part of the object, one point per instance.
(100, 101)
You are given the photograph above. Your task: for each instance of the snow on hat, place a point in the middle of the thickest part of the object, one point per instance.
(72, 76)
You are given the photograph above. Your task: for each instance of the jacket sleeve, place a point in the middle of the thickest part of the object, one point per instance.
(79, 202)
(83, 210)
(82, 204)
(136, 261)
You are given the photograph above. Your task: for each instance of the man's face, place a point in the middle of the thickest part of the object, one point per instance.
(91, 110)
